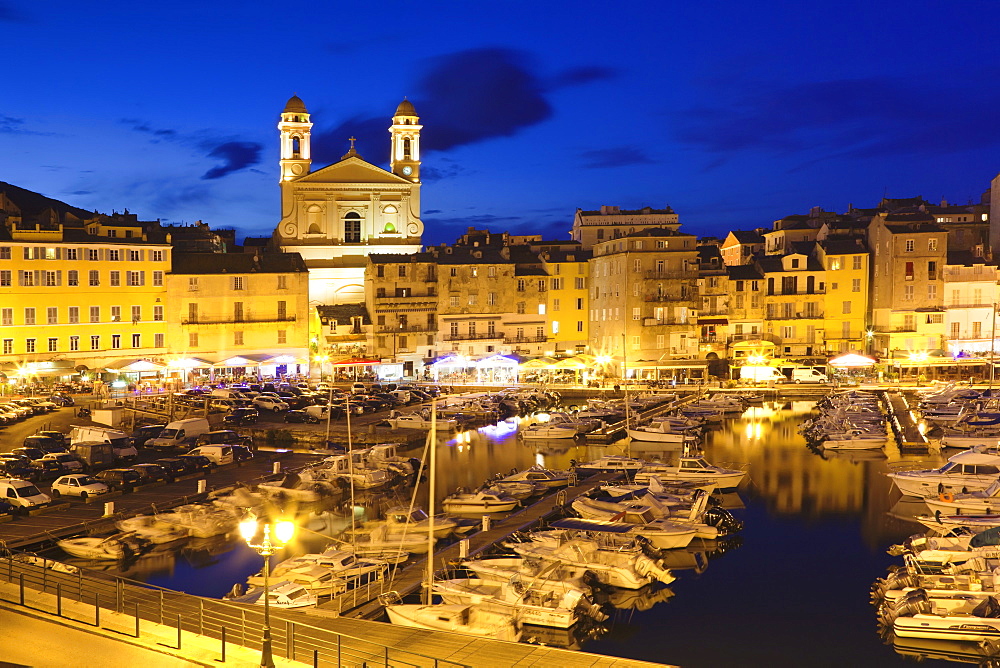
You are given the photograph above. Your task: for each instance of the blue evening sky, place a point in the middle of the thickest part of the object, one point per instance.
(735, 113)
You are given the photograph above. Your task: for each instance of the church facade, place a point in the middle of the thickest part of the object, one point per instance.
(338, 215)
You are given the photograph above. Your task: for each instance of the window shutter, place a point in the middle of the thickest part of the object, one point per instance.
(20, 278)
(58, 253)
(27, 253)
(39, 276)
(59, 277)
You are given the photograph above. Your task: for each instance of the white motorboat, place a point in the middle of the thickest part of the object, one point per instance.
(341, 467)
(528, 605)
(610, 463)
(284, 595)
(417, 522)
(946, 523)
(619, 568)
(315, 579)
(345, 564)
(648, 509)
(148, 527)
(475, 620)
(663, 431)
(419, 421)
(540, 477)
(856, 439)
(110, 548)
(969, 471)
(478, 502)
(692, 468)
(200, 521)
(973, 503)
(380, 540)
(545, 430)
(915, 616)
(515, 490)
(552, 576)
(662, 534)
(384, 456)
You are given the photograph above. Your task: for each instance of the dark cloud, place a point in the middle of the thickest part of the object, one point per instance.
(464, 98)
(441, 169)
(9, 125)
(428, 212)
(583, 75)
(446, 229)
(235, 155)
(81, 192)
(851, 118)
(620, 156)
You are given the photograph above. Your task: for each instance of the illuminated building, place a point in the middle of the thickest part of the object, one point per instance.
(846, 304)
(79, 293)
(228, 305)
(611, 222)
(336, 216)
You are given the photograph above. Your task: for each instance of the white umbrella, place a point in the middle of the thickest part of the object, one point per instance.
(851, 360)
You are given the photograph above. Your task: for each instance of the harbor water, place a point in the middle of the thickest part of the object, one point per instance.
(791, 590)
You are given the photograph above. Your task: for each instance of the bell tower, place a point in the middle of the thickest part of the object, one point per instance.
(404, 158)
(294, 127)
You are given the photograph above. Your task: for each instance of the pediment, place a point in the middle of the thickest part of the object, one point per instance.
(352, 170)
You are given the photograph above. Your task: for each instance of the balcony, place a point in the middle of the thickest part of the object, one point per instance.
(230, 320)
(713, 338)
(388, 329)
(425, 297)
(779, 293)
(654, 322)
(736, 338)
(667, 298)
(653, 273)
(794, 316)
(525, 339)
(478, 336)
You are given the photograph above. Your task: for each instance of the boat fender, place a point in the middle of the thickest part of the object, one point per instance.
(946, 497)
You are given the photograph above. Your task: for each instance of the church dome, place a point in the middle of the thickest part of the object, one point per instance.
(405, 108)
(295, 105)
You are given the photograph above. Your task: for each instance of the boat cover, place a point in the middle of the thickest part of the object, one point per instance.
(990, 537)
(578, 524)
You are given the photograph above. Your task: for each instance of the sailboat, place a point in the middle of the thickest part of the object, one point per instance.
(473, 619)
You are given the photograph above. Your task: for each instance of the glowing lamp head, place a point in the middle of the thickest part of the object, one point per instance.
(248, 528)
(284, 531)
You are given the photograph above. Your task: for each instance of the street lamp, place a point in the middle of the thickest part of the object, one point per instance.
(283, 532)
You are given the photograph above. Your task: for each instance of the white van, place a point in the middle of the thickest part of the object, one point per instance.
(808, 375)
(228, 394)
(119, 440)
(359, 388)
(761, 374)
(22, 494)
(178, 433)
(217, 454)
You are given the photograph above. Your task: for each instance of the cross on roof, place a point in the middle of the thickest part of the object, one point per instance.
(352, 140)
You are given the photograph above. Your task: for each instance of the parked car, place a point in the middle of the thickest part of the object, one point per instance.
(78, 484)
(146, 432)
(199, 462)
(300, 416)
(13, 466)
(123, 479)
(62, 398)
(45, 443)
(150, 472)
(241, 417)
(270, 404)
(241, 453)
(46, 468)
(67, 462)
(222, 437)
(175, 466)
(57, 436)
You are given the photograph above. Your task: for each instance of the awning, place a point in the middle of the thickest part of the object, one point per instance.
(245, 360)
(189, 363)
(539, 363)
(135, 365)
(39, 369)
(496, 360)
(713, 321)
(355, 361)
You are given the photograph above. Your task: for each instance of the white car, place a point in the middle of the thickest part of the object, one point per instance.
(66, 461)
(270, 404)
(79, 485)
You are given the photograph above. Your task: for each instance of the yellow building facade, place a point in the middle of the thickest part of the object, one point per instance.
(81, 298)
(567, 300)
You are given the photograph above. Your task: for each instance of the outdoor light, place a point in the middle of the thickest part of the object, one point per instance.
(283, 531)
(602, 359)
(756, 359)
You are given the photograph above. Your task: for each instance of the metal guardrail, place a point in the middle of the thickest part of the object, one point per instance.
(227, 622)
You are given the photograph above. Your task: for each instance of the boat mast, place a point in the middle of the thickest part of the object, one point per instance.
(350, 472)
(432, 444)
(628, 443)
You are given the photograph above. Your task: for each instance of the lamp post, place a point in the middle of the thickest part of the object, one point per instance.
(283, 532)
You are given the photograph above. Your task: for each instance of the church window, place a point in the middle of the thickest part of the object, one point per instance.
(406, 149)
(352, 228)
(296, 147)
